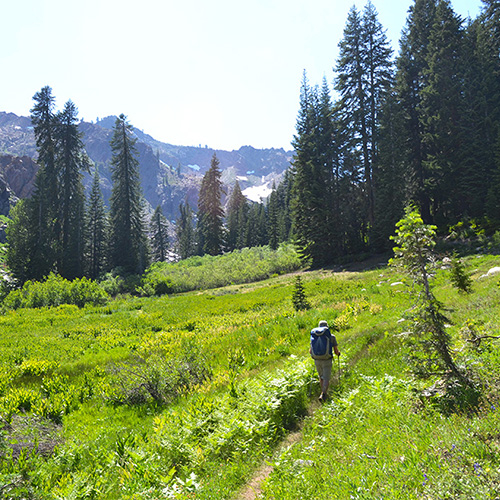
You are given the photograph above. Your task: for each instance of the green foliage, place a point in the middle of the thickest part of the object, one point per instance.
(204, 438)
(199, 273)
(430, 342)
(55, 291)
(157, 378)
(460, 279)
(96, 231)
(299, 298)
(210, 211)
(128, 243)
(158, 229)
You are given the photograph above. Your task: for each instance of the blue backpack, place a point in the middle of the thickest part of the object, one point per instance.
(321, 343)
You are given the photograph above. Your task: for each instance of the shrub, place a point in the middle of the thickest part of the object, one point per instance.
(201, 273)
(158, 379)
(55, 291)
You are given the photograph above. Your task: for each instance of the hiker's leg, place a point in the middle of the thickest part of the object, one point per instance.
(324, 368)
(327, 374)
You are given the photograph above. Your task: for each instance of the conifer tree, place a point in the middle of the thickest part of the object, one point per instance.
(299, 299)
(158, 230)
(311, 170)
(129, 248)
(235, 226)
(440, 117)
(392, 175)
(184, 231)
(272, 219)
(364, 77)
(42, 208)
(210, 211)
(412, 75)
(21, 241)
(283, 196)
(96, 231)
(71, 159)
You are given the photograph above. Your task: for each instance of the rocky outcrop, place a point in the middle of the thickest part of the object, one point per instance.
(18, 172)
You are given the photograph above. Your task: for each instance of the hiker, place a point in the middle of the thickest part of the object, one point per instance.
(322, 344)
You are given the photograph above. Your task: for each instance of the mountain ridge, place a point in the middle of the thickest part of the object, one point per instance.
(170, 174)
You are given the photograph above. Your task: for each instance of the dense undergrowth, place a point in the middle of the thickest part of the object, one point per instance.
(183, 396)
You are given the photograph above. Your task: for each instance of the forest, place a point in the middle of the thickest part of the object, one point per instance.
(421, 128)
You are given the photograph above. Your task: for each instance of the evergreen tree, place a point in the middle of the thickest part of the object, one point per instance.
(42, 208)
(235, 226)
(210, 211)
(272, 219)
(256, 226)
(71, 159)
(243, 215)
(21, 242)
(392, 192)
(184, 230)
(440, 120)
(299, 298)
(158, 229)
(129, 245)
(364, 77)
(311, 172)
(283, 196)
(96, 230)
(412, 75)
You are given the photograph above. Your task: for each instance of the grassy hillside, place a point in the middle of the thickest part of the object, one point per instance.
(183, 396)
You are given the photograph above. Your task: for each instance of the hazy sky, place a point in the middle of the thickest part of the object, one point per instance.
(222, 73)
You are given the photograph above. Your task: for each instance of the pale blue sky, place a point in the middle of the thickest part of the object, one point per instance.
(222, 73)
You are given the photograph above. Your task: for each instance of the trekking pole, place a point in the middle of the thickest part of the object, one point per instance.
(338, 358)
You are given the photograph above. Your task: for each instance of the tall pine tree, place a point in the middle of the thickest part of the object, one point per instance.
(96, 231)
(158, 230)
(312, 174)
(129, 248)
(412, 76)
(71, 159)
(235, 224)
(210, 212)
(184, 231)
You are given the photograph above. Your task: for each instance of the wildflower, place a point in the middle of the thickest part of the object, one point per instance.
(477, 469)
(425, 480)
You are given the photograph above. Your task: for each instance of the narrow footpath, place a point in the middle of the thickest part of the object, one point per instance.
(253, 488)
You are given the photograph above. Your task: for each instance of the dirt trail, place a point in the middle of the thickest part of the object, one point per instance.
(252, 489)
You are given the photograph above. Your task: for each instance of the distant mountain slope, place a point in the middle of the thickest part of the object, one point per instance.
(169, 174)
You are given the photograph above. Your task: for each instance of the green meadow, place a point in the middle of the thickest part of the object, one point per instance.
(187, 395)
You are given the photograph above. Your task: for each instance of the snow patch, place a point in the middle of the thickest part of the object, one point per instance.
(195, 167)
(242, 178)
(258, 193)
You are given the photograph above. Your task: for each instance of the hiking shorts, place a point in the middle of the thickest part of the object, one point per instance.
(324, 367)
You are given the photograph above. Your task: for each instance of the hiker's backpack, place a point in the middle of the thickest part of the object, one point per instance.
(321, 343)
